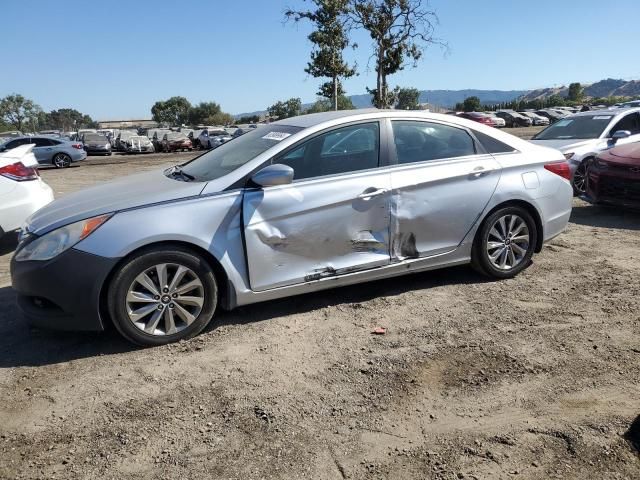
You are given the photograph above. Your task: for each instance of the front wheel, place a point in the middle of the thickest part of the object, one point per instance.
(162, 296)
(505, 243)
(580, 179)
(61, 160)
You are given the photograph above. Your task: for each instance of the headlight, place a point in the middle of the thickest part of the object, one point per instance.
(54, 243)
(600, 163)
(569, 155)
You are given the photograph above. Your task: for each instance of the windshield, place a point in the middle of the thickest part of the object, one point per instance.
(217, 133)
(580, 127)
(232, 155)
(89, 137)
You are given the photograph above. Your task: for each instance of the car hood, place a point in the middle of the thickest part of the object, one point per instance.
(565, 144)
(625, 155)
(129, 192)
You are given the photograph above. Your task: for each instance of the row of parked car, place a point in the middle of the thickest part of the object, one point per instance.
(159, 139)
(513, 119)
(62, 148)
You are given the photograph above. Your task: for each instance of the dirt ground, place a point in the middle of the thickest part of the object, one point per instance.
(535, 377)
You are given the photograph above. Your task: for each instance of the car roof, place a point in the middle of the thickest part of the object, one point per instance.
(319, 121)
(32, 137)
(607, 111)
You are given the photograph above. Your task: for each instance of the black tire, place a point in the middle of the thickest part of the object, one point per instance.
(145, 260)
(61, 160)
(480, 260)
(578, 182)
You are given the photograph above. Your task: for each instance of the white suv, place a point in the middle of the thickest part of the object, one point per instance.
(580, 137)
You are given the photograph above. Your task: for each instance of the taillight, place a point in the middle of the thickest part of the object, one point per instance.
(78, 146)
(559, 168)
(18, 172)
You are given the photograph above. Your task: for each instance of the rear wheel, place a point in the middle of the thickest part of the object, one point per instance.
(61, 160)
(505, 243)
(162, 296)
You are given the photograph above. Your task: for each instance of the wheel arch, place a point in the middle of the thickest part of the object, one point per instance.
(226, 289)
(530, 208)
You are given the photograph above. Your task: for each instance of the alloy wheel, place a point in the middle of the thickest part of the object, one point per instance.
(165, 299)
(580, 178)
(508, 242)
(60, 160)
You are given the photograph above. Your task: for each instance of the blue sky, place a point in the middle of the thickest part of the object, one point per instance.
(114, 59)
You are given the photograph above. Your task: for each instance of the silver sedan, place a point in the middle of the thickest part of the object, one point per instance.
(297, 206)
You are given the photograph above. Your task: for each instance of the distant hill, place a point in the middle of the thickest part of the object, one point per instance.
(448, 98)
(440, 98)
(604, 88)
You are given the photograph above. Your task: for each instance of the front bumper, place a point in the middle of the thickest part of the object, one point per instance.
(611, 188)
(149, 149)
(62, 293)
(98, 150)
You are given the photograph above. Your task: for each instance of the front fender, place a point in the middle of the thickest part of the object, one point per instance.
(211, 222)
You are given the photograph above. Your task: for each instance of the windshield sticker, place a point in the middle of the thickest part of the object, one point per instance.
(563, 123)
(601, 117)
(277, 136)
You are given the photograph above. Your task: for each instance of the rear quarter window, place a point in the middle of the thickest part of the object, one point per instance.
(491, 145)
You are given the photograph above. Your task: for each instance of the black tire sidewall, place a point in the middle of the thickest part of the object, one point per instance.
(124, 277)
(480, 257)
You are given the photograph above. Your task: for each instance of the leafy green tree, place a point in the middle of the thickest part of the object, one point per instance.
(408, 99)
(400, 31)
(172, 112)
(555, 101)
(249, 119)
(576, 92)
(65, 119)
(286, 109)
(330, 19)
(199, 114)
(19, 111)
(220, 118)
(324, 105)
(471, 104)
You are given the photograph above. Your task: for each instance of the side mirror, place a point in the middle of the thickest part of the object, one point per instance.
(620, 134)
(276, 174)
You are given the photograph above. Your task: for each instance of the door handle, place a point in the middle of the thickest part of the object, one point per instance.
(478, 172)
(372, 192)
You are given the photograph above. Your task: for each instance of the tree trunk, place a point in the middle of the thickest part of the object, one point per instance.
(335, 93)
(380, 79)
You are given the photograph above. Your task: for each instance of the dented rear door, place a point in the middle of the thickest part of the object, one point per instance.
(323, 226)
(440, 186)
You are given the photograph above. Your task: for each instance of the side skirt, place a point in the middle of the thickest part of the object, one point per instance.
(413, 265)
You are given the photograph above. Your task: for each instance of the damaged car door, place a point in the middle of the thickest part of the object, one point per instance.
(441, 185)
(331, 220)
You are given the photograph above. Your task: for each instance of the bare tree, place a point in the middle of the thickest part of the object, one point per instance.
(400, 31)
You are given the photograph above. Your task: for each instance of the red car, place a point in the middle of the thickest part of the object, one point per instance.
(479, 117)
(174, 141)
(614, 177)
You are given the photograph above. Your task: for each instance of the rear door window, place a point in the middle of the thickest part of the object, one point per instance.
(417, 141)
(42, 142)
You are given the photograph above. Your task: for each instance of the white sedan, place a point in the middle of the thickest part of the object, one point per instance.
(22, 191)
